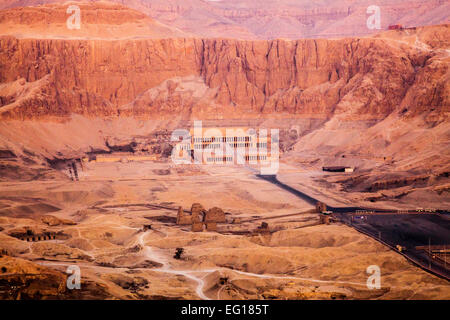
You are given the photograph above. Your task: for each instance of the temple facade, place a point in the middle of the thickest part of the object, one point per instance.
(226, 146)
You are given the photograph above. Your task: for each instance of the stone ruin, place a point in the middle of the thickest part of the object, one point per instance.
(321, 207)
(236, 221)
(215, 215)
(197, 213)
(211, 226)
(324, 219)
(197, 216)
(197, 227)
(200, 218)
(183, 218)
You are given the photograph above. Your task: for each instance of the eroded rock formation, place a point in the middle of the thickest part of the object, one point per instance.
(359, 78)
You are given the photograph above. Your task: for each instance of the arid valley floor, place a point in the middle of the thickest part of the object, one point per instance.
(103, 215)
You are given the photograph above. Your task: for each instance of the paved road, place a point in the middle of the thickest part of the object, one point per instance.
(391, 229)
(409, 231)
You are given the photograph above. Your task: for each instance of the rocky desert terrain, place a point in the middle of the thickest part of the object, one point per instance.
(122, 83)
(99, 225)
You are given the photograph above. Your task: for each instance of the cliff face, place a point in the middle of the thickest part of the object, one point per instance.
(307, 77)
(86, 77)
(47, 70)
(359, 78)
(271, 19)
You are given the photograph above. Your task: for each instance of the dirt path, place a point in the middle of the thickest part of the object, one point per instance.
(153, 255)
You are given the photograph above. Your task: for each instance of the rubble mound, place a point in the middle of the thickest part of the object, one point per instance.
(54, 221)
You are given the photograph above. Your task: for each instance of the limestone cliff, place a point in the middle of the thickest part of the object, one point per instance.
(363, 78)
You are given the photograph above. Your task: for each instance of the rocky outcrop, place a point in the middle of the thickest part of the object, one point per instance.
(21, 279)
(54, 221)
(197, 213)
(197, 227)
(86, 77)
(55, 250)
(199, 218)
(183, 218)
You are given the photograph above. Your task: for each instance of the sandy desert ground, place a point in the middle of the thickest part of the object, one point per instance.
(99, 222)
